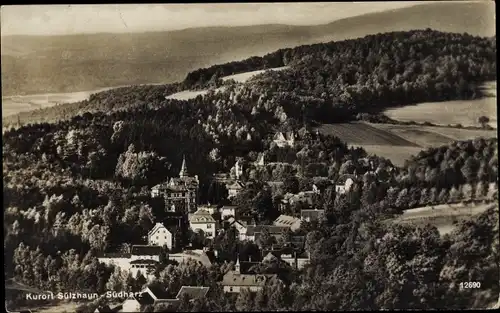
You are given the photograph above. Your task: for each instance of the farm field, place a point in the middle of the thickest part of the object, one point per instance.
(397, 154)
(444, 217)
(431, 136)
(243, 77)
(451, 112)
(359, 133)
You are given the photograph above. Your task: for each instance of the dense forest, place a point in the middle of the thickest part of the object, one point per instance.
(82, 184)
(332, 81)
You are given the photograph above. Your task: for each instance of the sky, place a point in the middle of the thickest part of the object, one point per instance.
(124, 18)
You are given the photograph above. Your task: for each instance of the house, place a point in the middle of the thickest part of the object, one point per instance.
(160, 236)
(344, 183)
(306, 198)
(145, 252)
(260, 160)
(240, 226)
(237, 170)
(210, 208)
(234, 281)
(203, 221)
(131, 305)
(253, 232)
(296, 260)
(133, 264)
(288, 221)
(285, 139)
(192, 292)
(311, 214)
(206, 258)
(234, 188)
(180, 194)
(228, 211)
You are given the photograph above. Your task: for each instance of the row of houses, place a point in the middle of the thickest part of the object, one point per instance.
(153, 295)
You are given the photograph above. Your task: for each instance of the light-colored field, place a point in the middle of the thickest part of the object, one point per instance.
(397, 154)
(444, 217)
(432, 136)
(243, 77)
(451, 112)
(191, 94)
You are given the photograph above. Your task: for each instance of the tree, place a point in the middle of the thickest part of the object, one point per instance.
(483, 120)
(291, 184)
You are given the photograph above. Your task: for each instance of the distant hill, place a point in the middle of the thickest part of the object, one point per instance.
(39, 64)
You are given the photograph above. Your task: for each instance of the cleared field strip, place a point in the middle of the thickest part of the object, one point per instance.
(358, 133)
(432, 136)
(191, 94)
(465, 112)
(243, 77)
(444, 217)
(397, 154)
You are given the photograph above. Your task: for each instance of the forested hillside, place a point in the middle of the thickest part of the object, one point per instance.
(87, 62)
(330, 82)
(81, 186)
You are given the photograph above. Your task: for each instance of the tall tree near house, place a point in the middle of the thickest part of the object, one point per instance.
(483, 120)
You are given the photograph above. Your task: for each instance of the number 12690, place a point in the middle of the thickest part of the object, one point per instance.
(470, 285)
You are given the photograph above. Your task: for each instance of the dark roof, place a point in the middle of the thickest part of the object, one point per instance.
(245, 266)
(232, 278)
(159, 292)
(311, 213)
(193, 292)
(145, 250)
(253, 229)
(114, 255)
(141, 261)
(343, 178)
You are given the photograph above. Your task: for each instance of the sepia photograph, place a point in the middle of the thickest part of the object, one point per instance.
(245, 157)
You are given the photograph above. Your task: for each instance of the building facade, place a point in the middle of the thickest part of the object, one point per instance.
(203, 221)
(181, 193)
(160, 236)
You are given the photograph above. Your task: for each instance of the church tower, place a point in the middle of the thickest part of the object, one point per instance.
(237, 265)
(183, 173)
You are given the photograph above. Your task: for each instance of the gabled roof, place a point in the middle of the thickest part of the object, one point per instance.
(193, 292)
(201, 216)
(232, 278)
(270, 257)
(156, 227)
(286, 220)
(253, 229)
(144, 261)
(145, 250)
(343, 178)
(312, 213)
(235, 185)
(157, 292)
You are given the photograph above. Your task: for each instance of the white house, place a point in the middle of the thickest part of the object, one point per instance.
(285, 139)
(145, 252)
(228, 211)
(344, 183)
(240, 226)
(131, 305)
(288, 221)
(234, 281)
(202, 220)
(159, 235)
(234, 188)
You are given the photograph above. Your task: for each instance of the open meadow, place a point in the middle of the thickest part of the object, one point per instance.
(432, 136)
(464, 112)
(243, 77)
(444, 216)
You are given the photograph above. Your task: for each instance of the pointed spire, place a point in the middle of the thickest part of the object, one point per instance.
(183, 172)
(237, 265)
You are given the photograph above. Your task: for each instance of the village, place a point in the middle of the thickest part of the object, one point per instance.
(180, 199)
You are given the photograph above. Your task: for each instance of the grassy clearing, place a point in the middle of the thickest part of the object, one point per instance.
(243, 77)
(444, 217)
(397, 154)
(364, 134)
(432, 136)
(451, 112)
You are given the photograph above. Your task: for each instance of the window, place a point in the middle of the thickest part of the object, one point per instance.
(156, 237)
(209, 233)
(231, 289)
(165, 237)
(209, 226)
